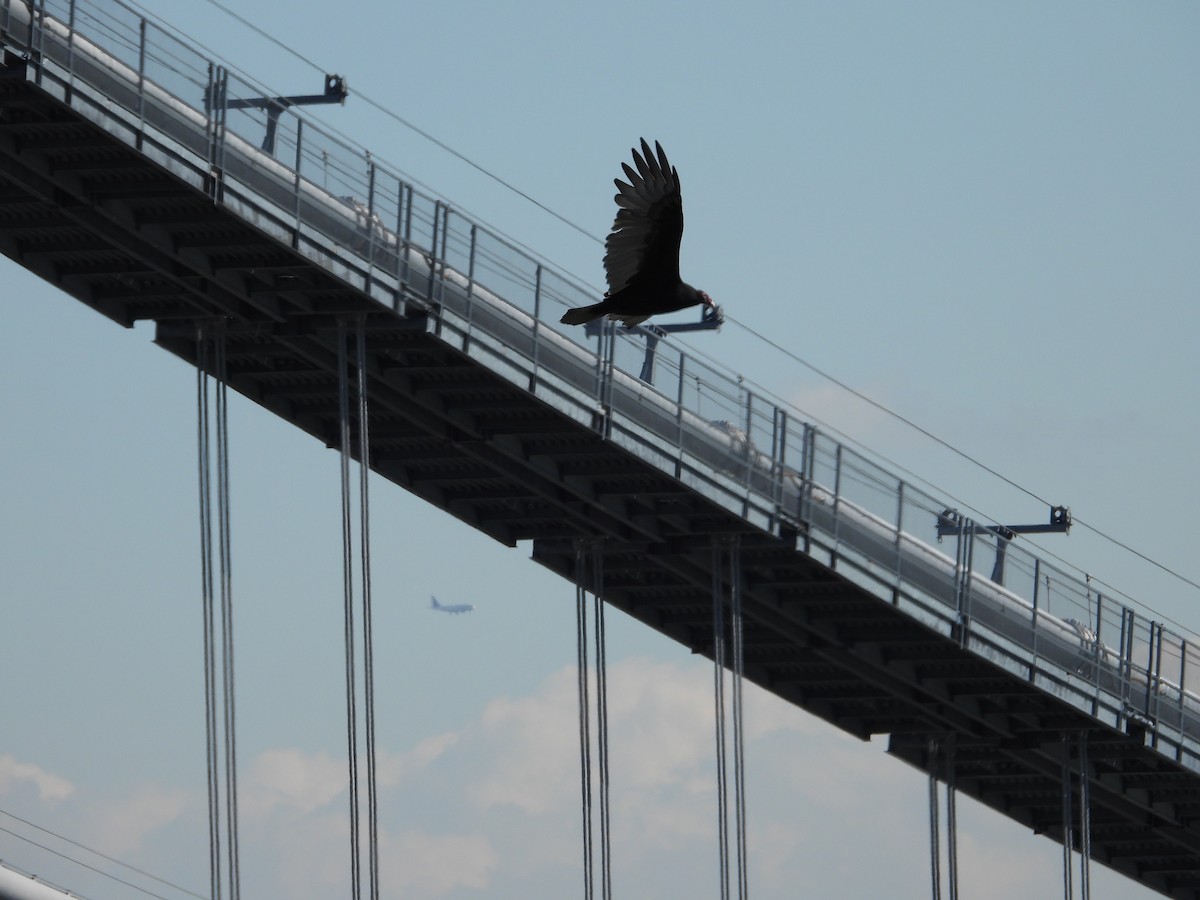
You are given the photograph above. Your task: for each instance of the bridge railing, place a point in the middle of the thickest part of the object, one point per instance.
(342, 207)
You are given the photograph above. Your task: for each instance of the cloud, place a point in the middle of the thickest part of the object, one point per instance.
(417, 863)
(50, 787)
(395, 769)
(661, 739)
(494, 807)
(311, 860)
(292, 779)
(124, 826)
(296, 780)
(533, 748)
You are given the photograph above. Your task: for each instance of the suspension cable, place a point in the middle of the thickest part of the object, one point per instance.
(718, 601)
(1085, 819)
(935, 850)
(219, 730)
(951, 820)
(206, 581)
(226, 562)
(739, 753)
(1068, 890)
(346, 414)
(585, 761)
(348, 614)
(364, 470)
(602, 722)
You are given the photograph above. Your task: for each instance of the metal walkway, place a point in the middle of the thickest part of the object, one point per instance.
(129, 180)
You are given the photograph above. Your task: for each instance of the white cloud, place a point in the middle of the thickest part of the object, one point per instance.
(397, 768)
(533, 747)
(416, 863)
(502, 815)
(311, 860)
(50, 787)
(292, 779)
(123, 827)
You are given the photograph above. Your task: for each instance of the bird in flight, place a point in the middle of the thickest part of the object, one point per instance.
(641, 254)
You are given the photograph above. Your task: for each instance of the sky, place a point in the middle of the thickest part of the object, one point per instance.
(982, 216)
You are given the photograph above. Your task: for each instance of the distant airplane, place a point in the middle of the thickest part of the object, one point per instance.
(453, 608)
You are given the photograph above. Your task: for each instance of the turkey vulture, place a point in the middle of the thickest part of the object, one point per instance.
(641, 254)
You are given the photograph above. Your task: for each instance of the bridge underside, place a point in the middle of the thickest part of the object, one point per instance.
(98, 220)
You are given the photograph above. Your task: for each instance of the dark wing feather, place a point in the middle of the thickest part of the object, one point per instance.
(644, 243)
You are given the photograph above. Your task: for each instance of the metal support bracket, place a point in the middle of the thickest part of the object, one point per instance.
(952, 522)
(335, 92)
(712, 318)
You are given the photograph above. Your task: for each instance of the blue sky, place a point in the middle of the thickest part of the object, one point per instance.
(984, 216)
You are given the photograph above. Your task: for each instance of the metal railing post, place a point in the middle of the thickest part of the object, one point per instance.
(837, 500)
(1156, 649)
(784, 424)
(445, 251)
(1033, 637)
(433, 249)
(679, 415)
(296, 180)
(1096, 653)
(537, 325)
(141, 81)
(748, 474)
(71, 43)
(370, 223)
(1183, 652)
(1126, 656)
(406, 200)
(471, 278)
(37, 37)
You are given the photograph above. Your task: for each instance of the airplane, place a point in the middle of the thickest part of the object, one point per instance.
(452, 608)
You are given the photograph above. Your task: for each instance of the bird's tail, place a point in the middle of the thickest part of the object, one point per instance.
(581, 314)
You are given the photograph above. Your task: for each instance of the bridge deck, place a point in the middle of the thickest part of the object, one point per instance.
(144, 207)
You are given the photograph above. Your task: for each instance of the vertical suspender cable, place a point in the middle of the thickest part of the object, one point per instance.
(348, 609)
(739, 755)
(364, 469)
(206, 580)
(362, 413)
(951, 822)
(602, 723)
(1085, 819)
(719, 715)
(1068, 890)
(219, 729)
(585, 740)
(226, 562)
(935, 850)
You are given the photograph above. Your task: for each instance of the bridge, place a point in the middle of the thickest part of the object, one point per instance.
(138, 178)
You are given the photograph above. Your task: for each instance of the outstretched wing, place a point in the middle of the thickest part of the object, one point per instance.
(644, 242)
